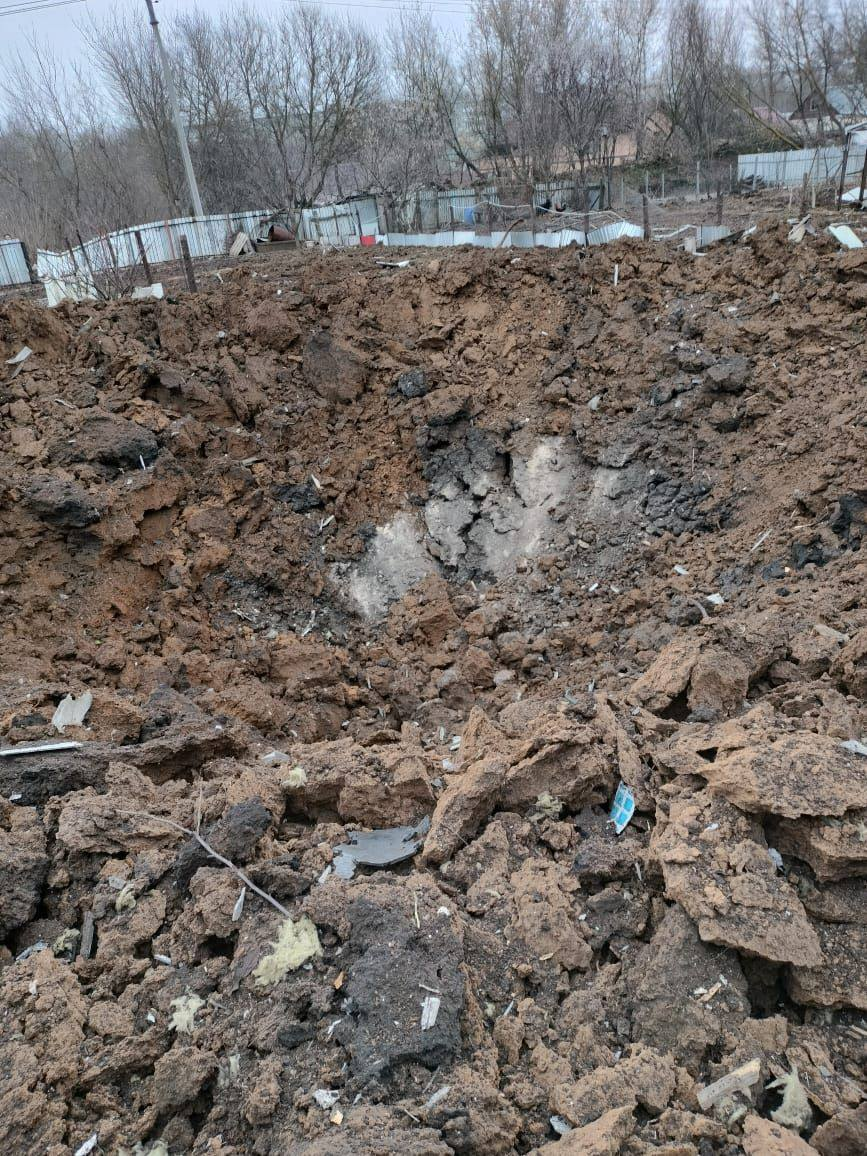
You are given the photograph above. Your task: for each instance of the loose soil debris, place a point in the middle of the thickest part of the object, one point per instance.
(479, 539)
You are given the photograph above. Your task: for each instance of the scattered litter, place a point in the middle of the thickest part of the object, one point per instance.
(430, 1009)
(238, 909)
(681, 570)
(18, 362)
(296, 943)
(776, 858)
(241, 244)
(705, 996)
(560, 1125)
(854, 747)
(616, 275)
(393, 264)
(439, 1095)
(378, 848)
(275, 758)
(325, 1098)
(126, 899)
(39, 945)
(740, 1080)
(184, 1013)
(622, 809)
(795, 1111)
(799, 230)
(548, 806)
(761, 538)
(166, 960)
(715, 599)
(146, 292)
(336, 1117)
(295, 778)
(41, 749)
(71, 711)
(595, 402)
(88, 1146)
(847, 237)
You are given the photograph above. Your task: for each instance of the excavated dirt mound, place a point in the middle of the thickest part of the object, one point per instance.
(337, 547)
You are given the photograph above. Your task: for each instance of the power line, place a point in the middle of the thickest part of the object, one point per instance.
(22, 7)
(462, 7)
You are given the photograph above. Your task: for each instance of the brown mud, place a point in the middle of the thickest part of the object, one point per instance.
(472, 540)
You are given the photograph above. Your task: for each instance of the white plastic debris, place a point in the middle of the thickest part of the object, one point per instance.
(40, 749)
(854, 747)
(437, 1096)
(739, 1081)
(430, 1009)
(71, 711)
(325, 1098)
(238, 909)
(275, 758)
(776, 858)
(144, 292)
(846, 236)
(622, 809)
(88, 1146)
(560, 1125)
(681, 570)
(20, 357)
(595, 402)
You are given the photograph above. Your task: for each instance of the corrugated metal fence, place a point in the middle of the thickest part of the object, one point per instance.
(13, 263)
(207, 237)
(789, 168)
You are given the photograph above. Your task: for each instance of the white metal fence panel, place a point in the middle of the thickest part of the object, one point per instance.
(13, 263)
(788, 169)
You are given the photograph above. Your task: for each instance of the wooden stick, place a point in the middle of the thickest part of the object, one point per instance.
(143, 257)
(188, 264)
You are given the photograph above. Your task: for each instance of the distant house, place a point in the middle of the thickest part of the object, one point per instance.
(837, 105)
(657, 132)
(770, 117)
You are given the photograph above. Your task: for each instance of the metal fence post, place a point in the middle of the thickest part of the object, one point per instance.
(697, 180)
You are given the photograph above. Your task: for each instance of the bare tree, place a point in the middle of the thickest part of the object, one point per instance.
(702, 59)
(427, 79)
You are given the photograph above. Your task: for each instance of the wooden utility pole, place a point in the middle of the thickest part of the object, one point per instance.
(645, 213)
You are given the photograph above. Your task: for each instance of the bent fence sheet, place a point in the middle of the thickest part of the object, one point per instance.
(206, 236)
(13, 263)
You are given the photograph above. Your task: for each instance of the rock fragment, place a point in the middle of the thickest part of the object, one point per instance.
(716, 865)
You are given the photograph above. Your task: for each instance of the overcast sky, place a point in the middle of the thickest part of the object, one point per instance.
(57, 26)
